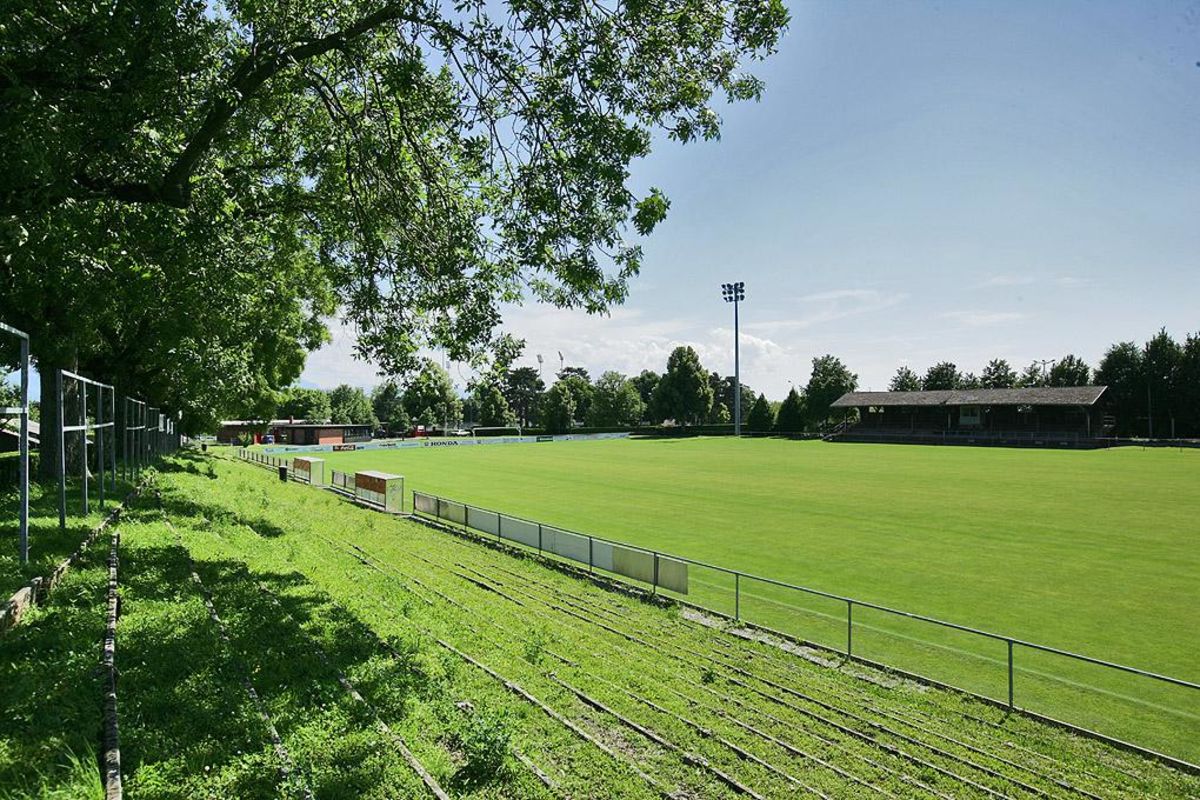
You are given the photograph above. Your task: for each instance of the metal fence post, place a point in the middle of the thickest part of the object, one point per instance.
(1010, 674)
(499, 526)
(654, 589)
(100, 441)
(62, 456)
(539, 537)
(737, 596)
(112, 410)
(84, 449)
(849, 627)
(24, 454)
(591, 560)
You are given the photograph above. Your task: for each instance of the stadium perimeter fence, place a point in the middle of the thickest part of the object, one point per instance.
(1139, 709)
(87, 412)
(343, 483)
(1146, 711)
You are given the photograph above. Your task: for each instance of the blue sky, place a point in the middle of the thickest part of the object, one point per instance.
(921, 181)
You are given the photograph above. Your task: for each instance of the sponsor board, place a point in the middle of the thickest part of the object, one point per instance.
(325, 448)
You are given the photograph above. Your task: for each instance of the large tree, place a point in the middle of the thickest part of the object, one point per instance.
(1160, 366)
(430, 396)
(1033, 376)
(645, 381)
(761, 418)
(943, 375)
(830, 380)
(790, 418)
(1188, 386)
(998, 374)
(387, 400)
(414, 163)
(905, 380)
(310, 405)
(523, 389)
(575, 380)
(494, 411)
(1121, 371)
(349, 405)
(1070, 370)
(683, 393)
(615, 401)
(558, 408)
(726, 395)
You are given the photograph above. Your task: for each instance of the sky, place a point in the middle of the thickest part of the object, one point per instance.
(921, 181)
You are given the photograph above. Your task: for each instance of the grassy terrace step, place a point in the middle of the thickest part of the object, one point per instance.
(50, 690)
(48, 545)
(496, 676)
(687, 686)
(931, 531)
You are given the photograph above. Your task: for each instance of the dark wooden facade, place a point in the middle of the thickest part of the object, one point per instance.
(1062, 414)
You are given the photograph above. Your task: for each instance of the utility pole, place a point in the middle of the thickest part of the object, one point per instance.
(1149, 411)
(735, 293)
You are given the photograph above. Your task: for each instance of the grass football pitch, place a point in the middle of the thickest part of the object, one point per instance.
(1091, 552)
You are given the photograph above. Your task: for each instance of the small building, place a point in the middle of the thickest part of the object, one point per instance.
(290, 431)
(1038, 416)
(319, 433)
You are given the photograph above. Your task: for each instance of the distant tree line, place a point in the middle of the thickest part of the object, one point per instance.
(1153, 389)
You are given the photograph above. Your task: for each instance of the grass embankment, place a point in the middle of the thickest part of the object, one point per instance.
(639, 701)
(50, 690)
(1092, 552)
(48, 545)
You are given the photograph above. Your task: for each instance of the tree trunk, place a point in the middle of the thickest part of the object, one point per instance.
(49, 455)
(49, 452)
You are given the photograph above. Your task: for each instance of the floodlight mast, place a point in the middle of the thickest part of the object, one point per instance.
(735, 293)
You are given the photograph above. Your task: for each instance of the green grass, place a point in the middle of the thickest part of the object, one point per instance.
(1092, 552)
(48, 544)
(546, 631)
(311, 587)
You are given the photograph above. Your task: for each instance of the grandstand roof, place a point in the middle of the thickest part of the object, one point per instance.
(1032, 396)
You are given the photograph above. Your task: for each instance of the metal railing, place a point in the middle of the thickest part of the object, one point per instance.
(21, 412)
(86, 422)
(342, 480)
(1042, 676)
(263, 459)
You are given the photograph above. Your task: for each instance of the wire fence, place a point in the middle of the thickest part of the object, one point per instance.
(1159, 713)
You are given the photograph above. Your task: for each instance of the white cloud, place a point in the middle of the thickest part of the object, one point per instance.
(823, 307)
(1007, 280)
(979, 319)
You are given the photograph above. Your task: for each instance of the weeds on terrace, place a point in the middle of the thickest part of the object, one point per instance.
(484, 737)
(534, 646)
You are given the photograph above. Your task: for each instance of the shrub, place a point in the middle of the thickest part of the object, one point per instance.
(484, 738)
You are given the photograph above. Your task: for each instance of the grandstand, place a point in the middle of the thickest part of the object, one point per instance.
(1067, 416)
